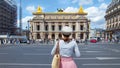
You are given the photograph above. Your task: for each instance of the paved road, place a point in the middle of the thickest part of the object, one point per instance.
(38, 56)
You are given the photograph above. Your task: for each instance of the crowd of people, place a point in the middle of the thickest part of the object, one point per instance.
(52, 41)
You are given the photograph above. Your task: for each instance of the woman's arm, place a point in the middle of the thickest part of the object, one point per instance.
(54, 49)
(76, 49)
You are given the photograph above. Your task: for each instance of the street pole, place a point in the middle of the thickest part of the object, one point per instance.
(28, 29)
(86, 31)
(20, 17)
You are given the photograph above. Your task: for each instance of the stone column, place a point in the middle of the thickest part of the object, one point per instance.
(33, 27)
(49, 27)
(77, 26)
(77, 36)
(33, 36)
(56, 26)
(49, 35)
(42, 26)
(56, 35)
(84, 36)
(63, 24)
(42, 35)
(70, 24)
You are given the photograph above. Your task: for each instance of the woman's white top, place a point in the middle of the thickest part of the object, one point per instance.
(67, 49)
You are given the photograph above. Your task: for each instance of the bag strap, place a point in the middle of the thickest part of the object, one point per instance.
(57, 48)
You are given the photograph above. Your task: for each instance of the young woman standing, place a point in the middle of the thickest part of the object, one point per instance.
(67, 47)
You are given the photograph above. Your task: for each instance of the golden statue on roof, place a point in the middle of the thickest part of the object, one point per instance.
(81, 11)
(39, 10)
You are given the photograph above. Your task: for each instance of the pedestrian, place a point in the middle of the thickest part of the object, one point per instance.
(67, 48)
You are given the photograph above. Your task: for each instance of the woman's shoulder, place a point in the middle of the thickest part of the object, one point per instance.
(73, 42)
(60, 41)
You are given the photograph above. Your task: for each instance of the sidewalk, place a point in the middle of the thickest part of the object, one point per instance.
(88, 43)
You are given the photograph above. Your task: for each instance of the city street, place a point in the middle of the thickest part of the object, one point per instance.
(101, 55)
(29, 30)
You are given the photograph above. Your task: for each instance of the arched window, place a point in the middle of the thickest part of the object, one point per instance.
(38, 36)
(81, 36)
(46, 36)
(73, 35)
(53, 36)
(38, 27)
(60, 36)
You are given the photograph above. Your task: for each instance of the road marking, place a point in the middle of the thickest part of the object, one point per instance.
(96, 54)
(25, 64)
(115, 50)
(3, 53)
(93, 51)
(84, 48)
(35, 54)
(99, 64)
(107, 58)
(84, 58)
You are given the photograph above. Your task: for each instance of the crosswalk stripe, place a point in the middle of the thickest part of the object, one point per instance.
(104, 64)
(25, 64)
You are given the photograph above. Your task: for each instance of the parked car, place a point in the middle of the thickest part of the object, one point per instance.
(93, 40)
(23, 40)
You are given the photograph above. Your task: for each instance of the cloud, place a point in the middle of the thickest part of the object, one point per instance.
(103, 25)
(33, 8)
(64, 1)
(25, 21)
(71, 9)
(79, 2)
(97, 15)
(101, 0)
(83, 2)
(30, 9)
(74, 1)
(103, 6)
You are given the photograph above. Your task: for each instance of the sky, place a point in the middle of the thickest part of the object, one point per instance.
(95, 8)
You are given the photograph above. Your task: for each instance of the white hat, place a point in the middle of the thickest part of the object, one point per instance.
(66, 30)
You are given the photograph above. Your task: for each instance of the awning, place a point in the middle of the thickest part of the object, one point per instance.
(3, 36)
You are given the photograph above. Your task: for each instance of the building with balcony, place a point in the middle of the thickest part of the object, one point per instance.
(113, 20)
(8, 17)
(48, 25)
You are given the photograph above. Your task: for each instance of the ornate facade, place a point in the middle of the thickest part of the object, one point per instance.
(113, 19)
(48, 25)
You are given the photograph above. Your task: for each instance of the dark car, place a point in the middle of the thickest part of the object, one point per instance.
(23, 41)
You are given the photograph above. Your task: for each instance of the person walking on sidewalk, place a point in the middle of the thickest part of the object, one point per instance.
(67, 48)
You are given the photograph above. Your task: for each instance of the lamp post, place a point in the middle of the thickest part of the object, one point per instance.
(86, 37)
(28, 31)
(87, 33)
(20, 17)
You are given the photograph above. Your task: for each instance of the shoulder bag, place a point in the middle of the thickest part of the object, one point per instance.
(56, 58)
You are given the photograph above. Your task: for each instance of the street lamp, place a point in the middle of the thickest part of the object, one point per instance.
(20, 17)
(87, 33)
(28, 31)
